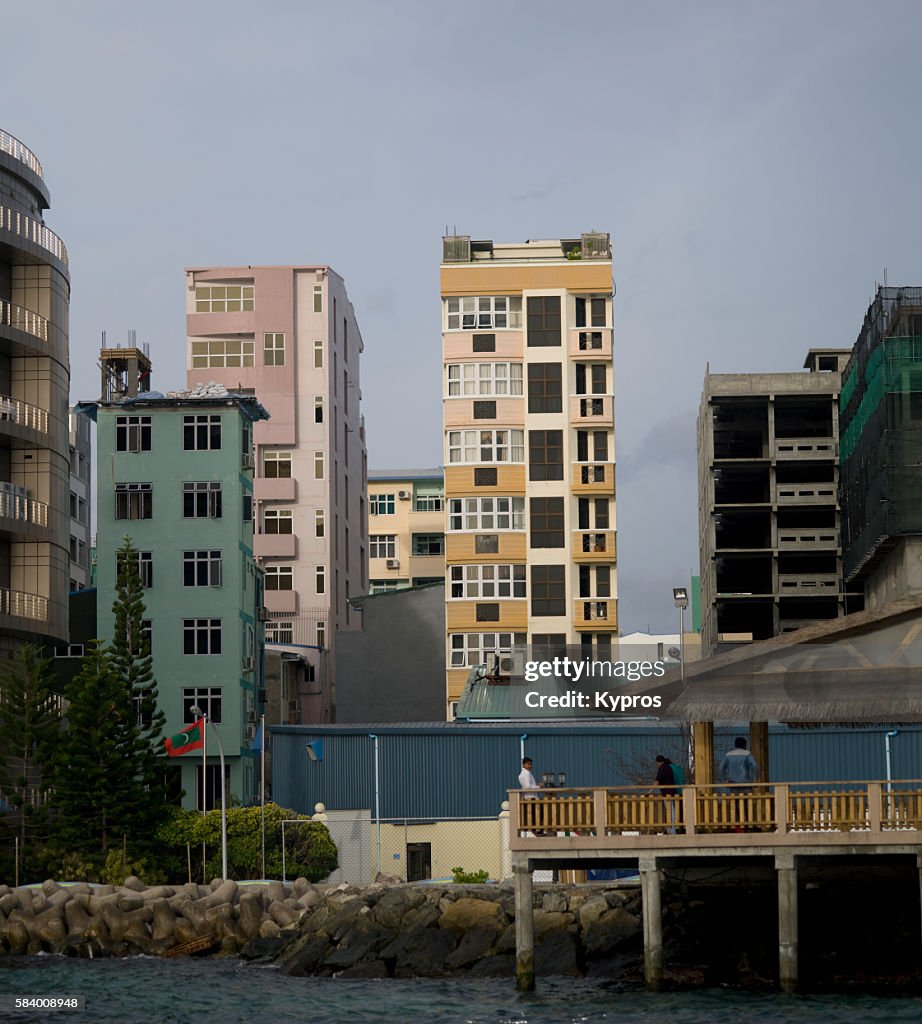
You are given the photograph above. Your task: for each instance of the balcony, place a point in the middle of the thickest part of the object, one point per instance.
(595, 613)
(15, 505)
(808, 583)
(282, 488)
(590, 343)
(22, 414)
(428, 503)
(10, 144)
(591, 410)
(280, 600)
(807, 540)
(806, 448)
(275, 545)
(23, 605)
(594, 546)
(805, 494)
(34, 231)
(23, 320)
(593, 478)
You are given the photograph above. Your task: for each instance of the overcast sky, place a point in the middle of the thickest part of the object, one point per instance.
(757, 166)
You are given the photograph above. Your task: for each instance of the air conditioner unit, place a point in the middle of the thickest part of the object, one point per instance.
(392, 563)
(251, 716)
(510, 664)
(248, 664)
(404, 495)
(250, 732)
(247, 461)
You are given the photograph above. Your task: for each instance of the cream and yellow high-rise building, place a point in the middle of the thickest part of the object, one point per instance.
(529, 449)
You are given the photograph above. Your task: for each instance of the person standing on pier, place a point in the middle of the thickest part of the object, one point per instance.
(739, 768)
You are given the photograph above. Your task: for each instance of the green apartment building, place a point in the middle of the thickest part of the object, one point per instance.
(175, 474)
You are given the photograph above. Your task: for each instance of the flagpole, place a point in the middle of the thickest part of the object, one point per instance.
(262, 787)
(217, 736)
(204, 785)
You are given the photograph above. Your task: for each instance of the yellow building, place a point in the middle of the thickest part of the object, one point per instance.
(529, 448)
(406, 528)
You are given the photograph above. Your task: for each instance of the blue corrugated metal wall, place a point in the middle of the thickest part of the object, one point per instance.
(465, 772)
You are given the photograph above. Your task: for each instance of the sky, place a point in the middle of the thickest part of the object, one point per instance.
(755, 164)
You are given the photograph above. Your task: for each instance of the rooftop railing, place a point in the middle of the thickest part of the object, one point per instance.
(32, 231)
(10, 144)
(26, 606)
(23, 320)
(12, 410)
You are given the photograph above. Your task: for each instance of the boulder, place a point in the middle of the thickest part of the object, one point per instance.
(76, 917)
(558, 954)
(609, 930)
(554, 902)
(301, 886)
(262, 949)
(163, 922)
(393, 904)
(371, 969)
(250, 914)
(420, 917)
(550, 921)
(464, 914)
(134, 883)
(422, 953)
(591, 910)
(305, 955)
(474, 945)
(269, 929)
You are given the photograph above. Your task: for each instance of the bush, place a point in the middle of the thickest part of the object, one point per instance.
(462, 877)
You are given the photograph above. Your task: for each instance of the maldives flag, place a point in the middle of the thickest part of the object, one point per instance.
(190, 738)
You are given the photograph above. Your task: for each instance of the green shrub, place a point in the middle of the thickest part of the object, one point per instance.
(462, 877)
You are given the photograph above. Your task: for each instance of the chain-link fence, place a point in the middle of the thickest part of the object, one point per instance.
(413, 849)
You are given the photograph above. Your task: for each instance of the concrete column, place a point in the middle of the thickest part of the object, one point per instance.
(652, 924)
(786, 868)
(524, 929)
(703, 744)
(758, 745)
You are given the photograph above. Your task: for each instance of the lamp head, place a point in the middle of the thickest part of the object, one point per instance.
(680, 597)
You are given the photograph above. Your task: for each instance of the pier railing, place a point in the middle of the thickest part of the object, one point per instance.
(698, 815)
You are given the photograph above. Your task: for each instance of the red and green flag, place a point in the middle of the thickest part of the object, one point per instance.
(190, 738)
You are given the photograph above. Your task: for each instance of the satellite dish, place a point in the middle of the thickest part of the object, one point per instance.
(674, 653)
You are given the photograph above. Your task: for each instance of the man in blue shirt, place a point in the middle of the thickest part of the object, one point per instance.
(739, 765)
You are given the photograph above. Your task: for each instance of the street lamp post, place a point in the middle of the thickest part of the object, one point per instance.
(198, 711)
(680, 597)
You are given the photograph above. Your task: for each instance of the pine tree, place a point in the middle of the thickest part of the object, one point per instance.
(96, 783)
(29, 728)
(131, 660)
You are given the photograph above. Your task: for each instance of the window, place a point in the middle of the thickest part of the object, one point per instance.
(318, 354)
(546, 523)
(428, 543)
(480, 581)
(132, 434)
(279, 577)
(547, 646)
(145, 567)
(484, 410)
(218, 353)
(545, 455)
(591, 379)
(319, 522)
(69, 651)
(485, 477)
(134, 501)
(279, 632)
(246, 507)
(483, 312)
(206, 698)
(602, 575)
(427, 502)
(590, 312)
(484, 379)
(381, 504)
(274, 349)
(201, 499)
(486, 543)
(201, 568)
(486, 445)
(382, 545)
(318, 408)
(548, 590)
(320, 579)
(318, 298)
(385, 586)
(276, 465)
(319, 460)
(201, 433)
(470, 649)
(484, 343)
(545, 390)
(321, 634)
(201, 636)
(278, 520)
(543, 321)
(486, 514)
(145, 645)
(223, 298)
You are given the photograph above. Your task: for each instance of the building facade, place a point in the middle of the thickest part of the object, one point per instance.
(406, 528)
(768, 508)
(175, 475)
(81, 450)
(289, 336)
(529, 448)
(34, 384)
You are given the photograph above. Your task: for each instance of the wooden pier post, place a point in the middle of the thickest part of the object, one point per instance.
(652, 924)
(524, 929)
(786, 869)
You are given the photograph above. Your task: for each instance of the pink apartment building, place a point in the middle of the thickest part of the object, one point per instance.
(289, 335)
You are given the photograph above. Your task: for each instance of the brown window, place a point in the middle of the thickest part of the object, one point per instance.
(486, 543)
(545, 455)
(543, 321)
(593, 309)
(601, 513)
(548, 590)
(545, 646)
(488, 613)
(484, 342)
(591, 379)
(485, 477)
(546, 523)
(484, 410)
(545, 391)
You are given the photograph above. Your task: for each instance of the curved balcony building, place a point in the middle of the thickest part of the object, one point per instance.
(34, 386)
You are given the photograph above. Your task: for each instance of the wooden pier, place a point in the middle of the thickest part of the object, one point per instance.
(699, 826)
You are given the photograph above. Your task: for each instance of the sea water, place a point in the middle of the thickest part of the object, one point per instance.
(146, 990)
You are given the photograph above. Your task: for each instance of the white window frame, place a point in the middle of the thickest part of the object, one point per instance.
(208, 495)
(487, 582)
(497, 514)
(483, 313)
(131, 433)
(202, 426)
(320, 579)
(279, 631)
(375, 501)
(206, 698)
(382, 545)
(469, 649)
(282, 576)
(471, 380)
(320, 465)
(486, 446)
(209, 561)
(277, 459)
(278, 521)
(320, 522)
(224, 297)
(221, 353)
(273, 348)
(206, 635)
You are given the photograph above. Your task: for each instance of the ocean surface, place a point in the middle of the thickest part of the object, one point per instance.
(154, 991)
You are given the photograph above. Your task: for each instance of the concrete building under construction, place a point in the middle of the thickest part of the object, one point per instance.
(771, 559)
